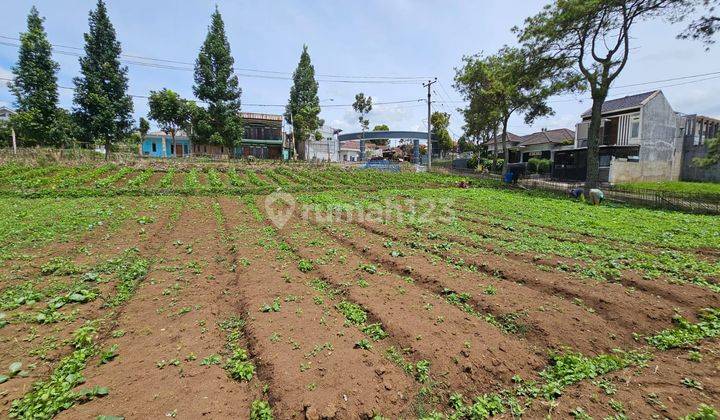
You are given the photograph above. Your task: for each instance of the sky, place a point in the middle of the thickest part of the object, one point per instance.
(350, 42)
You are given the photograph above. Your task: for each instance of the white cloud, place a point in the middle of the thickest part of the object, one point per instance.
(5, 74)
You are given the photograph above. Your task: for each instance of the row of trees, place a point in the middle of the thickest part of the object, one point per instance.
(571, 45)
(102, 108)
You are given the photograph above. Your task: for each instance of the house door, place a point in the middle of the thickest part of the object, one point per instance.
(178, 150)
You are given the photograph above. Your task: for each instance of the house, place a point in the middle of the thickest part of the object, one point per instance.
(326, 149)
(159, 144)
(262, 138)
(513, 146)
(542, 144)
(5, 113)
(641, 139)
(545, 143)
(698, 129)
(350, 151)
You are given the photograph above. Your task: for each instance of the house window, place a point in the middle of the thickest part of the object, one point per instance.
(635, 127)
(605, 161)
(154, 147)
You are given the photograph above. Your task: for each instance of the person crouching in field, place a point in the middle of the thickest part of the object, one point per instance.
(595, 196)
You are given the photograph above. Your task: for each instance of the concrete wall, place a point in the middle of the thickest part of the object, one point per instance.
(623, 171)
(690, 172)
(658, 130)
(322, 150)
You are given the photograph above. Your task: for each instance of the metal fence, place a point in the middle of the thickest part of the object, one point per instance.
(667, 200)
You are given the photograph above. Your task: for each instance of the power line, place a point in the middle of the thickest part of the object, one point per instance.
(7, 79)
(379, 79)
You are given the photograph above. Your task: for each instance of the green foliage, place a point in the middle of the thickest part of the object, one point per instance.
(380, 142)
(260, 410)
(217, 85)
(686, 333)
(713, 154)
(354, 313)
(704, 412)
(48, 398)
(375, 331)
(303, 105)
(569, 368)
(709, 189)
(239, 367)
(363, 344)
(102, 105)
(363, 106)
(539, 166)
(130, 270)
(440, 121)
(274, 307)
(35, 86)
(306, 265)
(60, 266)
(170, 111)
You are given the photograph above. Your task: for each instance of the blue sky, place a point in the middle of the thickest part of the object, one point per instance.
(368, 38)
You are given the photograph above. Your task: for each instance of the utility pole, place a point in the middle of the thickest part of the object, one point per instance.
(429, 138)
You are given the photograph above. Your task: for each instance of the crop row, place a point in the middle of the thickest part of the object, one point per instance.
(110, 180)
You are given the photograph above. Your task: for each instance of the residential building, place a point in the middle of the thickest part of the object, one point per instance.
(513, 146)
(641, 139)
(698, 130)
(542, 144)
(545, 143)
(350, 151)
(326, 149)
(262, 138)
(5, 113)
(159, 144)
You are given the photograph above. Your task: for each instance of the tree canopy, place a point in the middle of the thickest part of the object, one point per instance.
(170, 111)
(508, 82)
(102, 105)
(217, 85)
(35, 88)
(303, 105)
(440, 121)
(363, 106)
(380, 142)
(593, 36)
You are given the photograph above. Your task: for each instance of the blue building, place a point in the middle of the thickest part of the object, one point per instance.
(158, 144)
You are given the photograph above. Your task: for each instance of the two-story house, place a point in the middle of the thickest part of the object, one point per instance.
(641, 139)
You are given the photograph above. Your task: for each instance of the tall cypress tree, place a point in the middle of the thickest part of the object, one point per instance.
(303, 106)
(35, 85)
(217, 85)
(102, 105)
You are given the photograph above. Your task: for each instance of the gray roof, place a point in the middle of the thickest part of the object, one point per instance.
(558, 136)
(632, 101)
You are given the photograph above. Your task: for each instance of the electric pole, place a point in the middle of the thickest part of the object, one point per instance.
(429, 138)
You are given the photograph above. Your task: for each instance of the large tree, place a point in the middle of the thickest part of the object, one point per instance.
(509, 82)
(440, 121)
(594, 36)
(35, 86)
(303, 106)
(103, 107)
(380, 142)
(170, 111)
(217, 85)
(703, 27)
(363, 106)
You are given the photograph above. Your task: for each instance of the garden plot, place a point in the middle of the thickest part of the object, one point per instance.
(188, 301)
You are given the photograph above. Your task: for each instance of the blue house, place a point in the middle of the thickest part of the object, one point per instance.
(159, 144)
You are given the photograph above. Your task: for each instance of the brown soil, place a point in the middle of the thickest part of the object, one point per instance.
(212, 261)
